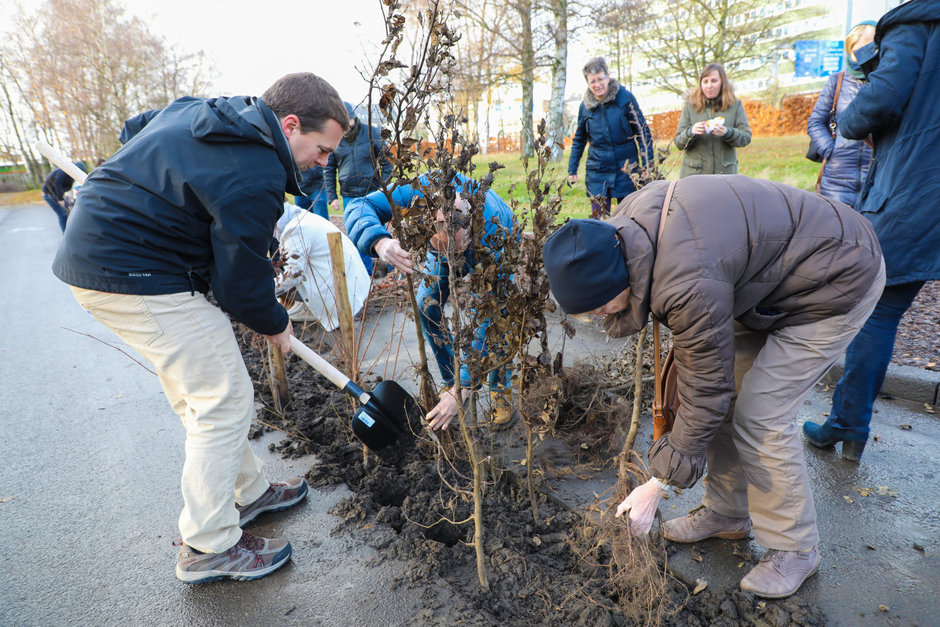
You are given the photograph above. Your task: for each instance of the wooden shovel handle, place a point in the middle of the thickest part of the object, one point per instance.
(59, 160)
(319, 364)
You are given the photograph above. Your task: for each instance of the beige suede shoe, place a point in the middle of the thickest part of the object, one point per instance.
(781, 573)
(702, 523)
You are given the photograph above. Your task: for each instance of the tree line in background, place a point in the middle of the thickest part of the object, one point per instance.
(665, 42)
(73, 71)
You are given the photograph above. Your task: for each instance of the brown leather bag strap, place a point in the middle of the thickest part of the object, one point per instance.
(832, 127)
(657, 366)
(835, 104)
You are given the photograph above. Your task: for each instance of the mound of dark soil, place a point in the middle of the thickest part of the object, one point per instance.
(405, 510)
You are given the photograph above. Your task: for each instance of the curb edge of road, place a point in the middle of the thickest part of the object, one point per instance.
(904, 382)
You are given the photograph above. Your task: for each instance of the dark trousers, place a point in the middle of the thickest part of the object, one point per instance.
(59, 209)
(866, 363)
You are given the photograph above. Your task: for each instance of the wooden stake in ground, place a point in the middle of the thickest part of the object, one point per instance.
(341, 292)
(344, 312)
(277, 379)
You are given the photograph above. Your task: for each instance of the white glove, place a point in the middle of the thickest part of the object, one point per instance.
(642, 504)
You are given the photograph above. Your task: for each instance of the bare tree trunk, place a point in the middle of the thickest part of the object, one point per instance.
(556, 107)
(527, 57)
(31, 165)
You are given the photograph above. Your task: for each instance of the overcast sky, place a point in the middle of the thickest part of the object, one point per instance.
(252, 44)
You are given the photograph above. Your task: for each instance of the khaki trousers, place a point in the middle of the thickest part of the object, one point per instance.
(194, 351)
(755, 463)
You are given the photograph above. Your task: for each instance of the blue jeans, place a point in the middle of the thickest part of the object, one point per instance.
(58, 208)
(866, 362)
(432, 296)
(316, 204)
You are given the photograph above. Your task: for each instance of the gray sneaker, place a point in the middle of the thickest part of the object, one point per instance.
(251, 558)
(781, 573)
(277, 497)
(702, 523)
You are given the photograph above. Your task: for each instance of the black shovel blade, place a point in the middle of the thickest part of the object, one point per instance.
(391, 416)
(399, 406)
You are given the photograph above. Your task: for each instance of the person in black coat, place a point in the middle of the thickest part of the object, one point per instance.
(361, 165)
(897, 111)
(610, 120)
(53, 192)
(189, 204)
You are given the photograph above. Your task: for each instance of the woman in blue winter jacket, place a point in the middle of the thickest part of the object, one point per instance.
(846, 160)
(610, 120)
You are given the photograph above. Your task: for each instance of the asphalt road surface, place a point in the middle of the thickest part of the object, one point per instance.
(89, 493)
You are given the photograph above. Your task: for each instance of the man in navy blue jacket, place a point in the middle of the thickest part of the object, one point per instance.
(189, 204)
(361, 165)
(898, 110)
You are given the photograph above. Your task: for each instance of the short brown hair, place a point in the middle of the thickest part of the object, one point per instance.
(309, 97)
(726, 96)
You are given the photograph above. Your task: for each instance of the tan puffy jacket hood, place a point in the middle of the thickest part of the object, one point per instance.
(734, 248)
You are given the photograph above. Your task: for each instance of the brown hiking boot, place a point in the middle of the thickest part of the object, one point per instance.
(278, 496)
(502, 412)
(251, 558)
(702, 523)
(781, 573)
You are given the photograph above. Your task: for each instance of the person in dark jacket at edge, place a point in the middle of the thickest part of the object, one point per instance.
(361, 164)
(53, 192)
(898, 109)
(314, 200)
(763, 286)
(847, 160)
(189, 204)
(610, 120)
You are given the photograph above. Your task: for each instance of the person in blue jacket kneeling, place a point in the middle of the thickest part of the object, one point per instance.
(365, 220)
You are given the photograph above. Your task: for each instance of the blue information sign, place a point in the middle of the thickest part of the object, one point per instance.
(818, 57)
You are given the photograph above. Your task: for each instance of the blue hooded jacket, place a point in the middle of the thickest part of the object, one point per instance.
(366, 217)
(899, 108)
(188, 203)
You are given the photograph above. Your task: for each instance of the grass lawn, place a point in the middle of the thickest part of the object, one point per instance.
(775, 158)
(28, 197)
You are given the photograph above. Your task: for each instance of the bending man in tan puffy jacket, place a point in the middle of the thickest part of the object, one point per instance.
(763, 286)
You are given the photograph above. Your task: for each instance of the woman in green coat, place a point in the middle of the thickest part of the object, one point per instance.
(712, 125)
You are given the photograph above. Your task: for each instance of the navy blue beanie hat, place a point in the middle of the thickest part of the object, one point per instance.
(585, 267)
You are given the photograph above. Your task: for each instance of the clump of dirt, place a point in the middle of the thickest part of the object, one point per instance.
(404, 510)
